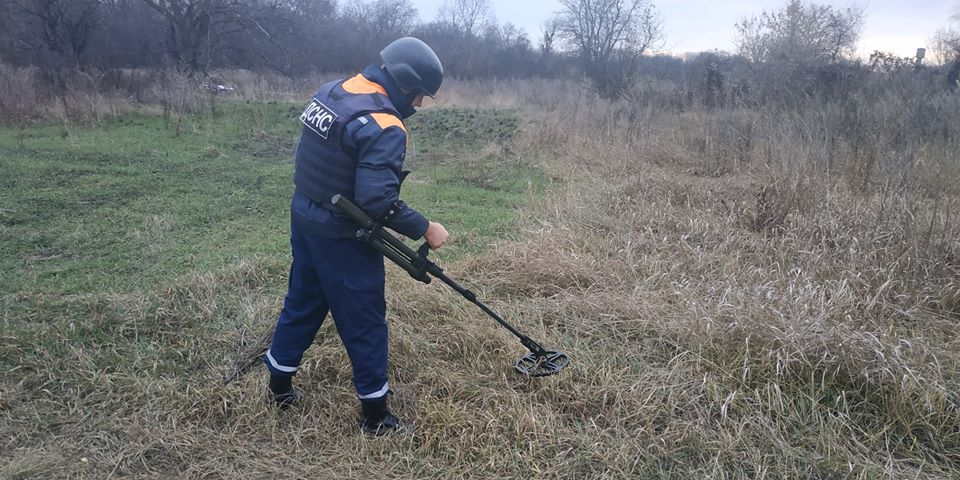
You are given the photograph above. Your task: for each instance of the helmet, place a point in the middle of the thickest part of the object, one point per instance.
(413, 65)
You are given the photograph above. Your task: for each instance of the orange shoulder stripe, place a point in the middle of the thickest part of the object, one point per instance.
(360, 85)
(388, 120)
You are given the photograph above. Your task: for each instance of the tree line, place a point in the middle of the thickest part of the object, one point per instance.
(799, 47)
(294, 37)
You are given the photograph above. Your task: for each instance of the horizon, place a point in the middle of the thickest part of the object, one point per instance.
(890, 26)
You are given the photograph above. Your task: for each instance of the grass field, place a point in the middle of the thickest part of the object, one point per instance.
(127, 205)
(746, 293)
(110, 231)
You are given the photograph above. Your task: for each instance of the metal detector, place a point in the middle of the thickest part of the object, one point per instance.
(538, 363)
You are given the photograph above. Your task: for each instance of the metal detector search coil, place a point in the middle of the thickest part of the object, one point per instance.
(535, 365)
(538, 363)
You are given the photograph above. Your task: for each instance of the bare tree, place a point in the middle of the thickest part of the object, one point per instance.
(549, 30)
(800, 34)
(293, 37)
(63, 27)
(190, 24)
(945, 45)
(308, 35)
(609, 36)
(467, 17)
(382, 20)
(800, 50)
(203, 31)
(200, 30)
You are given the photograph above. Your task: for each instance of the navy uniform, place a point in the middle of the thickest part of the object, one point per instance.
(353, 144)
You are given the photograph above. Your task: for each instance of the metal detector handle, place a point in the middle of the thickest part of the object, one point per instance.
(389, 246)
(367, 223)
(354, 212)
(394, 256)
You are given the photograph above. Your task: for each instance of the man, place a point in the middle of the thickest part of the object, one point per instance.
(353, 144)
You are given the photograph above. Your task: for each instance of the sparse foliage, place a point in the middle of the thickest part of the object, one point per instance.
(889, 63)
(201, 32)
(467, 17)
(189, 39)
(63, 28)
(608, 36)
(364, 27)
(946, 46)
(801, 34)
(800, 51)
(549, 37)
(382, 20)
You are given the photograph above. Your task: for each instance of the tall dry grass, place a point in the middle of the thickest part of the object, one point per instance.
(745, 294)
(758, 293)
(29, 95)
(752, 292)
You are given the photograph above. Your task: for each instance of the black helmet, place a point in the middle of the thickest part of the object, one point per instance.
(413, 65)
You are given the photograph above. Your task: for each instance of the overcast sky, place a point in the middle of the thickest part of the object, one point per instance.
(898, 26)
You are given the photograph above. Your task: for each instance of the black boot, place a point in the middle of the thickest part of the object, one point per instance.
(284, 395)
(376, 418)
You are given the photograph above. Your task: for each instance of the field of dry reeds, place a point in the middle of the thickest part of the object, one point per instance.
(752, 292)
(746, 293)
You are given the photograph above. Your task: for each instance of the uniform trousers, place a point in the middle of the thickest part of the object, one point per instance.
(344, 277)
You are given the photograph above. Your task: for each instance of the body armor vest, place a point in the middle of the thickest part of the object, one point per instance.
(325, 166)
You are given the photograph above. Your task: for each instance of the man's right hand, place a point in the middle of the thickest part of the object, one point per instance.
(436, 235)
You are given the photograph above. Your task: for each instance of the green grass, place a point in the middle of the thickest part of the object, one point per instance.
(131, 204)
(704, 344)
(136, 260)
(461, 177)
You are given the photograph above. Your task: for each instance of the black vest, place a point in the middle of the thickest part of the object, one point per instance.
(324, 165)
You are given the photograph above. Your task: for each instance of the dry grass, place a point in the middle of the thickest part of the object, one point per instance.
(745, 294)
(808, 318)
(29, 95)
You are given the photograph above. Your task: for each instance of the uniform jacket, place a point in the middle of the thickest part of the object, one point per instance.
(353, 143)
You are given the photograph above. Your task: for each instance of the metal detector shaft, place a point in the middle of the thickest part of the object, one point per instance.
(472, 297)
(417, 264)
